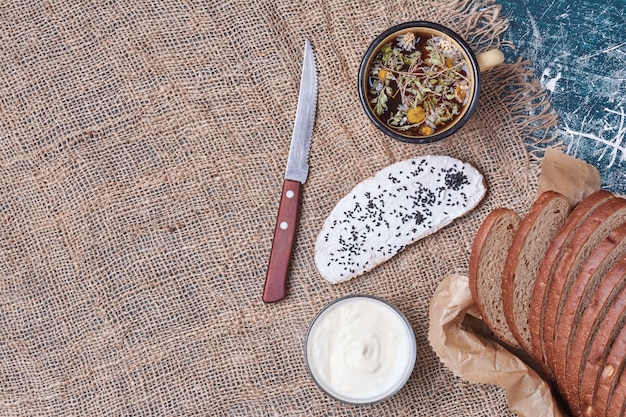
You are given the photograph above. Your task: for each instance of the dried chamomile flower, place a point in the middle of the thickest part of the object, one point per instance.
(419, 83)
(407, 41)
(445, 44)
(416, 115)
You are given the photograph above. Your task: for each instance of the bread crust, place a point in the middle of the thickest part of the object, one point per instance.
(617, 401)
(607, 303)
(597, 349)
(483, 237)
(609, 374)
(600, 261)
(595, 228)
(546, 270)
(539, 220)
(595, 268)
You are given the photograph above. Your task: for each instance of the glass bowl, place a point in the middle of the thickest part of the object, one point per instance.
(360, 349)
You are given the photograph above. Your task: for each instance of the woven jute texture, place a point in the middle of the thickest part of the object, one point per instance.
(143, 146)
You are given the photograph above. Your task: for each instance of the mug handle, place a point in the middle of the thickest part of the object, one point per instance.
(489, 59)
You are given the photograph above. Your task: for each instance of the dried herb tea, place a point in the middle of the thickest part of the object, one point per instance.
(419, 83)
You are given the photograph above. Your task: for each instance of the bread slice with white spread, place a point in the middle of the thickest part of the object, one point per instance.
(401, 204)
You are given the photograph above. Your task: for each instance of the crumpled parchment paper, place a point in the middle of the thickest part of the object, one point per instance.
(479, 359)
(567, 175)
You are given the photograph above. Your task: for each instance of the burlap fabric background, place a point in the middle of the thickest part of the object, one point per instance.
(143, 152)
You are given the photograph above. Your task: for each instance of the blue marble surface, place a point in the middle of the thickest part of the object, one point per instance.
(578, 49)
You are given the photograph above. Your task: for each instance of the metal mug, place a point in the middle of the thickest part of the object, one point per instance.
(368, 77)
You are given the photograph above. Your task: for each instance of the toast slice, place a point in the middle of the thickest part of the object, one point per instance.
(546, 216)
(611, 371)
(401, 204)
(545, 274)
(603, 258)
(595, 332)
(606, 305)
(592, 231)
(617, 401)
(486, 265)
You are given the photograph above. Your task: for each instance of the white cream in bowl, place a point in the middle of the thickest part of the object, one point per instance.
(360, 349)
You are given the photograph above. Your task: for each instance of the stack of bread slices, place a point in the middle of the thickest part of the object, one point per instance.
(553, 283)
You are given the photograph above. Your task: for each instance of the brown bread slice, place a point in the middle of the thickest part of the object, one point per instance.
(611, 372)
(592, 272)
(608, 299)
(597, 351)
(540, 225)
(593, 230)
(486, 264)
(546, 270)
(617, 402)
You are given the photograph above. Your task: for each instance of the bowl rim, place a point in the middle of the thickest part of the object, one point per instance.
(364, 68)
(401, 382)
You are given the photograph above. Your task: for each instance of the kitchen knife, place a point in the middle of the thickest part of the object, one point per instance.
(295, 176)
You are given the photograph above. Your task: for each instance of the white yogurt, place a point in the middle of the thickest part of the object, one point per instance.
(360, 349)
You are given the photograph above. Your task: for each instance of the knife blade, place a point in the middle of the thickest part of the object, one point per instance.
(295, 175)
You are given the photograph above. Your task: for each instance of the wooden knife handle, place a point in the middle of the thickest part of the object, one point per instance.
(284, 235)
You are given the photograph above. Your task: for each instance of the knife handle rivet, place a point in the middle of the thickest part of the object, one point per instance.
(289, 194)
(284, 225)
